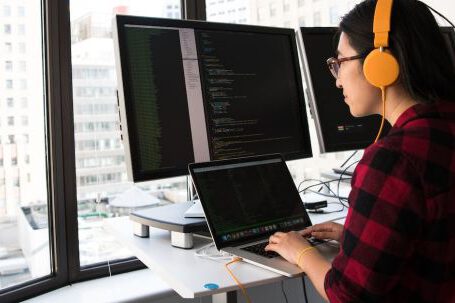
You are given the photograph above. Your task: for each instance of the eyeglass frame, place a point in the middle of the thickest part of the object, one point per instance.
(331, 61)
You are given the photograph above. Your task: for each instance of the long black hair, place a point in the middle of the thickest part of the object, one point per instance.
(426, 70)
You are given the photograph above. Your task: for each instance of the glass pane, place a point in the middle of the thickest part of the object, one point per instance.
(24, 233)
(102, 187)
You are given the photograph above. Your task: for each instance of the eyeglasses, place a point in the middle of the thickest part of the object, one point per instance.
(335, 63)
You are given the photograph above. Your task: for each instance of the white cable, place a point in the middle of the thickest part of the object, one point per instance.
(208, 252)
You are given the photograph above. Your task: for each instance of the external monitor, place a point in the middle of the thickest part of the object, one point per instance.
(192, 91)
(336, 128)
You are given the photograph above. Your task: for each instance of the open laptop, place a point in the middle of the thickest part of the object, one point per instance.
(246, 200)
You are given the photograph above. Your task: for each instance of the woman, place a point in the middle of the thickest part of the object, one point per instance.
(398, 240)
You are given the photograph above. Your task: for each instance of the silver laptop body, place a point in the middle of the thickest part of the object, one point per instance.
(246, 200)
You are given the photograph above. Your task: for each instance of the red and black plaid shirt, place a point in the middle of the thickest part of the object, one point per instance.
(398, 243)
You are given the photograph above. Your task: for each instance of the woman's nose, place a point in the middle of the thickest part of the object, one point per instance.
(338, 83)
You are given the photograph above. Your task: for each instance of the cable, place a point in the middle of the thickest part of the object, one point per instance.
(304, 290)
(349, 158)
(439, 14)
(341, 178)
(284, 293)
(217, 255)
(383, 93)
(330, 190)
(237, 259)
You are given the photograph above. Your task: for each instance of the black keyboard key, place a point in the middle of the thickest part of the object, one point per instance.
(259, 249)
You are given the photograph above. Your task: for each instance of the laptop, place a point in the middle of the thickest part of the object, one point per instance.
(245, 201)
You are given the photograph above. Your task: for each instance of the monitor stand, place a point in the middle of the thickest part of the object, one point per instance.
(170, 217)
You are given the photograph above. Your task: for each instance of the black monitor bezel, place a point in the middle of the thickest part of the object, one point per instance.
(325, 146)
(122, 20)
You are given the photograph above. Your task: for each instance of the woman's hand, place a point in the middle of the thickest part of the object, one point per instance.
(327, 230)
(288, 245)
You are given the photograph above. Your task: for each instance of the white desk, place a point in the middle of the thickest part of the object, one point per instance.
(186, 273)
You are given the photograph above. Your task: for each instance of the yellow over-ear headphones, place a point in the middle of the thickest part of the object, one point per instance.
(380, 68)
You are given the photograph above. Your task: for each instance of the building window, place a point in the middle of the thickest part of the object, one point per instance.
(14, 162)
(10, 102)
(273, 9)
(10, 121)
(8, 47)
(22, 84)
(21, 11)
(7, 29)
(21, 47)
(334, 16)
(6, 11)
(286, 6)
(26, 138)
(24, 102)
(301, 3)
(11, 139)
(21, 29)
(9, 84)
(22, 66)
(8, 66)
(317, 19)
(24, 120)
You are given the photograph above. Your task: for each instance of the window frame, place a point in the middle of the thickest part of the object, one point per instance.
(60, 147)
(51, 11)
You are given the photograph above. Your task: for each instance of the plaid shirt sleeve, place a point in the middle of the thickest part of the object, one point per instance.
(382, 228)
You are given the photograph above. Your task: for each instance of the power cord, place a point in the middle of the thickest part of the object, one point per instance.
(204, 252)
(237, 259)
(284, 293)
(304, 290)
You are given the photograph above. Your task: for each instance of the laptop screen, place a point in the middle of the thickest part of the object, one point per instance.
(248, 199)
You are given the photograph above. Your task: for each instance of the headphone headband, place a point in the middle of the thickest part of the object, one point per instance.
(381, 24)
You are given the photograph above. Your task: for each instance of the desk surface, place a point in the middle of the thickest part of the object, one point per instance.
(185, 272)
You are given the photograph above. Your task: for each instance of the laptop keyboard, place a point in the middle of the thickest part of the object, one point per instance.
(259, 248)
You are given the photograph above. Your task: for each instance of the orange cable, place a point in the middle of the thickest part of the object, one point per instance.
(235, 279)
(383, 114)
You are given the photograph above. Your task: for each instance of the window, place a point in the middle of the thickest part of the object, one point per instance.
(10, 102)
(24, 102)
(22, 48)
(21, 29)
(301, 3)
(317, 19)
(24, 230)
(11, 139)
(96, 124)
(23, 84)
(286, 6)
(7, 29)
(21, 11)
(22, 66)
(24, 121)
(8, 66)
(8, 47)
(6, 11)
(273, 9)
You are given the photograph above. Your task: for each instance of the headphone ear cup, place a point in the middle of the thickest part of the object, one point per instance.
(381, 69)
